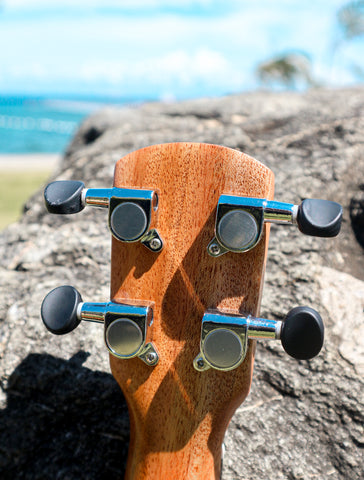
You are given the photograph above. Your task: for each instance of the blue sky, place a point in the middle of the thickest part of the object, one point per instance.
(162, 49)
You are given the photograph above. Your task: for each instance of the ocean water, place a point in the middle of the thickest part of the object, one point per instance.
(60, 60)
(41, 125)
(35, 125)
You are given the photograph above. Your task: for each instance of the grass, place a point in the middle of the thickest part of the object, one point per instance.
(15, 189)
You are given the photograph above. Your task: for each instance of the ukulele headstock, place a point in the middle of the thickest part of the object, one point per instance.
(190, 225)
(184, 281)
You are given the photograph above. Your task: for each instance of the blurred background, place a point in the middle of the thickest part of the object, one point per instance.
(62, 60)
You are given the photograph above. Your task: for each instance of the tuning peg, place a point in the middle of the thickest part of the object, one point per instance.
(64, 197)
(131, 211)
(125, 326)
(319, 218)
(224, 338)
(302, 333)
(239, 221)
(60, 310)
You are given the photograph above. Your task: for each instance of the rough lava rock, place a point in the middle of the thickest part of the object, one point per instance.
(62, 415)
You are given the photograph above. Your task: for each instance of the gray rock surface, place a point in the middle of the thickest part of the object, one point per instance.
(62, 415)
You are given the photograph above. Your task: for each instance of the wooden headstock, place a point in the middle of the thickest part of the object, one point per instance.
(190, 225)
(178, 415)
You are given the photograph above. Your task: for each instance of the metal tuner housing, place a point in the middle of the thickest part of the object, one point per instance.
(132, 212)
(239, 221)
(224, 337)
(126, 327)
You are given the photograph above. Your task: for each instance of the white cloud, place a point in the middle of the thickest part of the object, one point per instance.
(176, 73)
(136, 4)
(182, 54)
(118, 4)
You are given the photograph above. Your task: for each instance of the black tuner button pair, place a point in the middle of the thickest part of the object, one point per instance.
(239, 220)
(223, 337)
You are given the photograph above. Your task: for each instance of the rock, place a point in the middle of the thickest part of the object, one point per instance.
(343, 297)
(63, 415)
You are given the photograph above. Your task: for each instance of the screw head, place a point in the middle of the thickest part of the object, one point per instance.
(155, 244)
(151, 357)
(214, 249)
(200, 363)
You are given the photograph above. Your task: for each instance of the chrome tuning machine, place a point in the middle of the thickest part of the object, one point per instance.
(224, 337)
(131, 211)
(240, 220)
(125, 326)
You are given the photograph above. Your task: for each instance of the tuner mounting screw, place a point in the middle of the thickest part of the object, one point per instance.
(155, 244)
(151, 358)
(214, 249)
(200, 363)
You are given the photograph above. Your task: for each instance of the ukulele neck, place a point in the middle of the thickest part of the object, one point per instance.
(179, 415)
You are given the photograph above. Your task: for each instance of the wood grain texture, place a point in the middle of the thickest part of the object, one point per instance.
(179, 416)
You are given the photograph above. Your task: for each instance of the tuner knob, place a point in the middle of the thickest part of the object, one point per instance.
(125, 326)
(131, 211)
(239, 221)
(302, 333)
(60, 310)
(64, 197)
(319, 218)
(224, 338)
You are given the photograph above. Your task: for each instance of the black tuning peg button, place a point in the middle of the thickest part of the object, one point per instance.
(319, 218)
(302, 333)
(132, 212)
(64, 197)
(224, 338)
(59, 310)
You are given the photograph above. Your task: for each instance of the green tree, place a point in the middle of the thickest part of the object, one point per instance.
(290, 70)
(351, 20)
